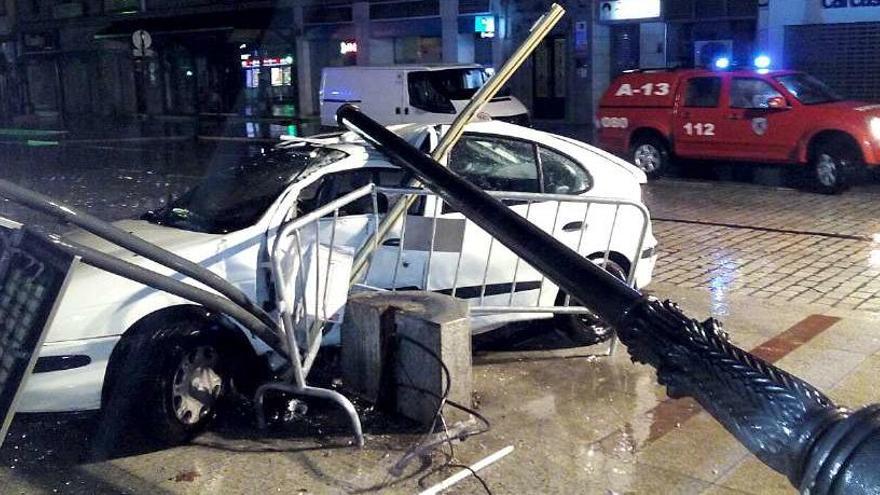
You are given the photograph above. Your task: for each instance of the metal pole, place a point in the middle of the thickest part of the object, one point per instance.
(488, 91)
(136, 245)
(164, 283)
(786, 422)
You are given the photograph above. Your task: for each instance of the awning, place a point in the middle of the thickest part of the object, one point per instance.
(250, 19)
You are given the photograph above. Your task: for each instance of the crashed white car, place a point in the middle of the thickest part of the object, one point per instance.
(228, 223)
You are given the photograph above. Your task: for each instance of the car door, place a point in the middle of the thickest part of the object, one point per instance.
(751, 129)
(482, 270)
(399, 262)
(697, 117)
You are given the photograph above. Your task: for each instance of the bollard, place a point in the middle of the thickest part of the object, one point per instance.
(389, 344)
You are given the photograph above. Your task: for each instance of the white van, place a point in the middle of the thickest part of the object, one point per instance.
(419, 94)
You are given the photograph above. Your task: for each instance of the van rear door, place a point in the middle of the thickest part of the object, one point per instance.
(382, 93)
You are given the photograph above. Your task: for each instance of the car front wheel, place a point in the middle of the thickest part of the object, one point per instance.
(169, 382)
(587, 328)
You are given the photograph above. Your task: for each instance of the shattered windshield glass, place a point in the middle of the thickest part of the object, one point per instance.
(236, 197)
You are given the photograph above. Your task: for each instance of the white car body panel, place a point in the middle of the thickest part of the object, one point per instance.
(99, 307)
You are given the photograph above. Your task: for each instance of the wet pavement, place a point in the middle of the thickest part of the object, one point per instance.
(580, 423)
(794, 276)
(770, 243)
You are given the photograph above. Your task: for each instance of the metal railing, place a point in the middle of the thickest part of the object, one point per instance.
(438, 251)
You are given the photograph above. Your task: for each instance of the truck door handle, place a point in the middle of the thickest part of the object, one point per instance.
(397, 110)
(394, 242)
(573, 226)
(406, 110)
(733, 116)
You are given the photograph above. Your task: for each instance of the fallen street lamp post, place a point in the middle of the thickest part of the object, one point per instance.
(787, 423)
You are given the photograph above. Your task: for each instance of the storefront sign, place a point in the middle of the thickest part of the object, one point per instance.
(485, 25)
(346, 47)
(842, 4)
(628, 10)
(581, 42)
(266, 62)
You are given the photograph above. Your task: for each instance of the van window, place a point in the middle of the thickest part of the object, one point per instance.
(433, 90)
(702, 92)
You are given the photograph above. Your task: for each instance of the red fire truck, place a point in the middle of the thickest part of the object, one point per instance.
(768, 116)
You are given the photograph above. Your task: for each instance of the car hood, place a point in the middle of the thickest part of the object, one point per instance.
(848, 106)
(97, 303)
(178, 241)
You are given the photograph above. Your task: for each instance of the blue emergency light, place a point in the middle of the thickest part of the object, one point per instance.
(722, 63)
(762, 62)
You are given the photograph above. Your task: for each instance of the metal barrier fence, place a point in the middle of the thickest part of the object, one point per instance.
(433, 248)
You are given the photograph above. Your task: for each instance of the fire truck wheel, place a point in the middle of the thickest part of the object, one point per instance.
(587, 329)
(650, 154)
(833, 162)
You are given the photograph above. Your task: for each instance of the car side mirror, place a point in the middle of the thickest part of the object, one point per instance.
(777, 103)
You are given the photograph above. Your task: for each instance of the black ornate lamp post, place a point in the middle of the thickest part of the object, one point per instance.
(787, 423)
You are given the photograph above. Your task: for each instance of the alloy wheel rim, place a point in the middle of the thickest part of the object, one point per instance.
(826, 170)
(647, 158)
(196, 385)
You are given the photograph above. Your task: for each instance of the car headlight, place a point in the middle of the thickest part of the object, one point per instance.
(874, 124)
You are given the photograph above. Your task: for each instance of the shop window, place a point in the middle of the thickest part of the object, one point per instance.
(703, 92)
(708, 9)
(417, 49)
(116, 6)
(276, 77)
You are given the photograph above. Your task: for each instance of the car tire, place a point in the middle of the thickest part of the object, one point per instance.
(651, 155)
(587, 329)
(832, 164)
(170, 381)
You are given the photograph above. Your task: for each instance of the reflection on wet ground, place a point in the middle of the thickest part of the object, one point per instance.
(770, 243)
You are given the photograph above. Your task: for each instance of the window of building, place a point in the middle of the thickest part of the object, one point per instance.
(703, 92)
(418, 49)
(751, 93)
(116, 6)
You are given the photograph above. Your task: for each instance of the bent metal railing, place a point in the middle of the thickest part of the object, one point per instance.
(312, 256)
(227, 299)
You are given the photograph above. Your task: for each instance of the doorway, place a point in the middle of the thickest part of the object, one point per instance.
(550, 75)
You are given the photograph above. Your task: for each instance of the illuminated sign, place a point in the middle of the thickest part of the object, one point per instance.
(841, 4)
(346, 47)
(628, 10)
(250, 63)
(485, 25)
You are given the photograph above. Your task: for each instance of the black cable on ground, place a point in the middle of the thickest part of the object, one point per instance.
(421, 447)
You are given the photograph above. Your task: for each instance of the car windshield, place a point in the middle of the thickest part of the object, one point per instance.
(807, 89)
(455, 84)
(236, 197)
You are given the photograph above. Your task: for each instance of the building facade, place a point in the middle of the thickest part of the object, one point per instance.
(835, 40)
(263, 58)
